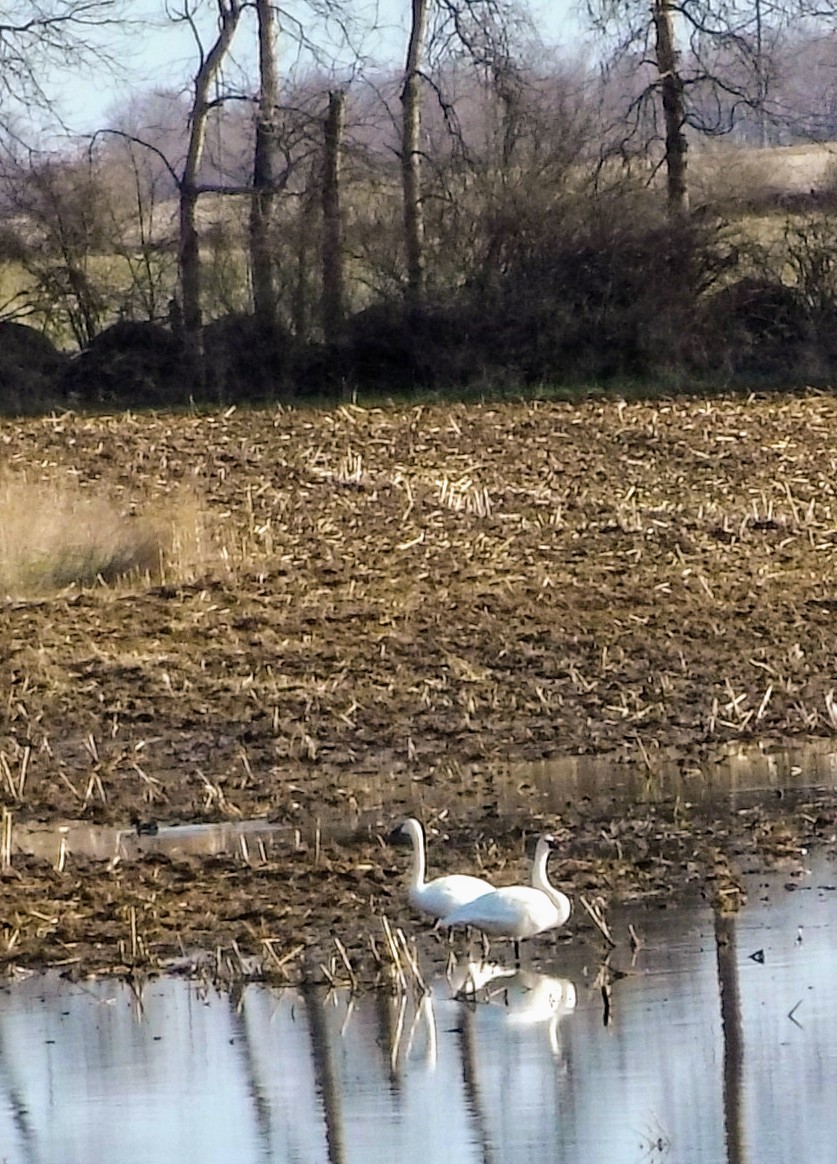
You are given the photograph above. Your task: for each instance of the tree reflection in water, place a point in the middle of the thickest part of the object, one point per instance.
(494, 1063)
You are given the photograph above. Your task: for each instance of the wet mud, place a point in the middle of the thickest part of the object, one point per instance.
(392, 608)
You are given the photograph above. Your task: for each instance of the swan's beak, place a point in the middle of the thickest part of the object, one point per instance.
(398, 837)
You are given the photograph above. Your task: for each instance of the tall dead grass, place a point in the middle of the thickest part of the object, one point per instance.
(54, 534)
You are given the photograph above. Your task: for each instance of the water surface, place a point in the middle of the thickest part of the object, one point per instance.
(718, 1047)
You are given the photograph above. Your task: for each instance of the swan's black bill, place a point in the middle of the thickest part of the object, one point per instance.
(399, 836)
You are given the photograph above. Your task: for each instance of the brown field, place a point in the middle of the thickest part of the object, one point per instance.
(347, 615)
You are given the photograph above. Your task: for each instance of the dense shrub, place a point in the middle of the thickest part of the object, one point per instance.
(609, 295)
(756, 325)
(606, 289)
(133, 364)
(387, 348)
(30, 366)
(246, 361)
(597, 299)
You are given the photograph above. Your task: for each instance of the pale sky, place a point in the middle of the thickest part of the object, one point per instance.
(164, 58)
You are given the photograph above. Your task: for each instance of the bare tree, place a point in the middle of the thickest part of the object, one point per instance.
(710, 63)
(674, 112)
(229, 14)
(65, 207)
(332, 219)
(651, 33)
(140, 228)
(411, 155)
(477, 28)
(265, 169)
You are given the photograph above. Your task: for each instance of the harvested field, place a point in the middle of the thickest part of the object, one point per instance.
(354, 605)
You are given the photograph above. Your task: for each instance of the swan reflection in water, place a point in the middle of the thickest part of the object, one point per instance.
(514, 997)
(495, 994)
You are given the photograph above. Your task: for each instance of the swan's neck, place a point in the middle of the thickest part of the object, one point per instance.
(540, 880)
(419, 859)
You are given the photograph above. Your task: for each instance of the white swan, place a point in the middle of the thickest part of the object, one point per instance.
(444, 894)
(517, 911)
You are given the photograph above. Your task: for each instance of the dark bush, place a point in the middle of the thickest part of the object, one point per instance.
(30, 366)
(611, 296)
(133, 364)
(391, 349)
(603, 297)
(246, 361)
(756, 325)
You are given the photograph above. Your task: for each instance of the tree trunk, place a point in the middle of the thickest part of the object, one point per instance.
(301, 307)
(761, 79)
(265, 171)
(674, 113)
(332, 224)
(411, 157)
(189, 247)
(190, 272)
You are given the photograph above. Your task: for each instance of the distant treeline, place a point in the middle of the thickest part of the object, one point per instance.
(625, 297)
(533, 246)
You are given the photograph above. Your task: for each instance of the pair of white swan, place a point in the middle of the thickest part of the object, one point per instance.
(513, 911)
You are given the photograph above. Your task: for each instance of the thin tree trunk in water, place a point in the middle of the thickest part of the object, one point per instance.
(332, 224)
(265, 170)
(189, 244)
(411, 157)
(674, 113)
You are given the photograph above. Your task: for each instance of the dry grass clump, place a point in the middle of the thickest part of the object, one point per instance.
(53, 535)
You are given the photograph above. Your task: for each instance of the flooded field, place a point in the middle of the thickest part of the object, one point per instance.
(715, 1047)
(613, 622)
(237, 647)
(306, 901)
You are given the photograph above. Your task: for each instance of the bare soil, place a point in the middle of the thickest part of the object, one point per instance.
(390, 609)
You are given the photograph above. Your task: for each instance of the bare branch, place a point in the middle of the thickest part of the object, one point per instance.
(38, 42)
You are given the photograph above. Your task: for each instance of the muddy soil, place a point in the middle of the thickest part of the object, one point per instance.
(387, 609)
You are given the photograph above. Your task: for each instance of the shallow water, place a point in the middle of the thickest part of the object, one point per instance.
(709, 1054)
(734, 777)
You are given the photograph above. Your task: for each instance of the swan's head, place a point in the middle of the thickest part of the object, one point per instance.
(553, 841)
(544, 843)
(409, 832)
